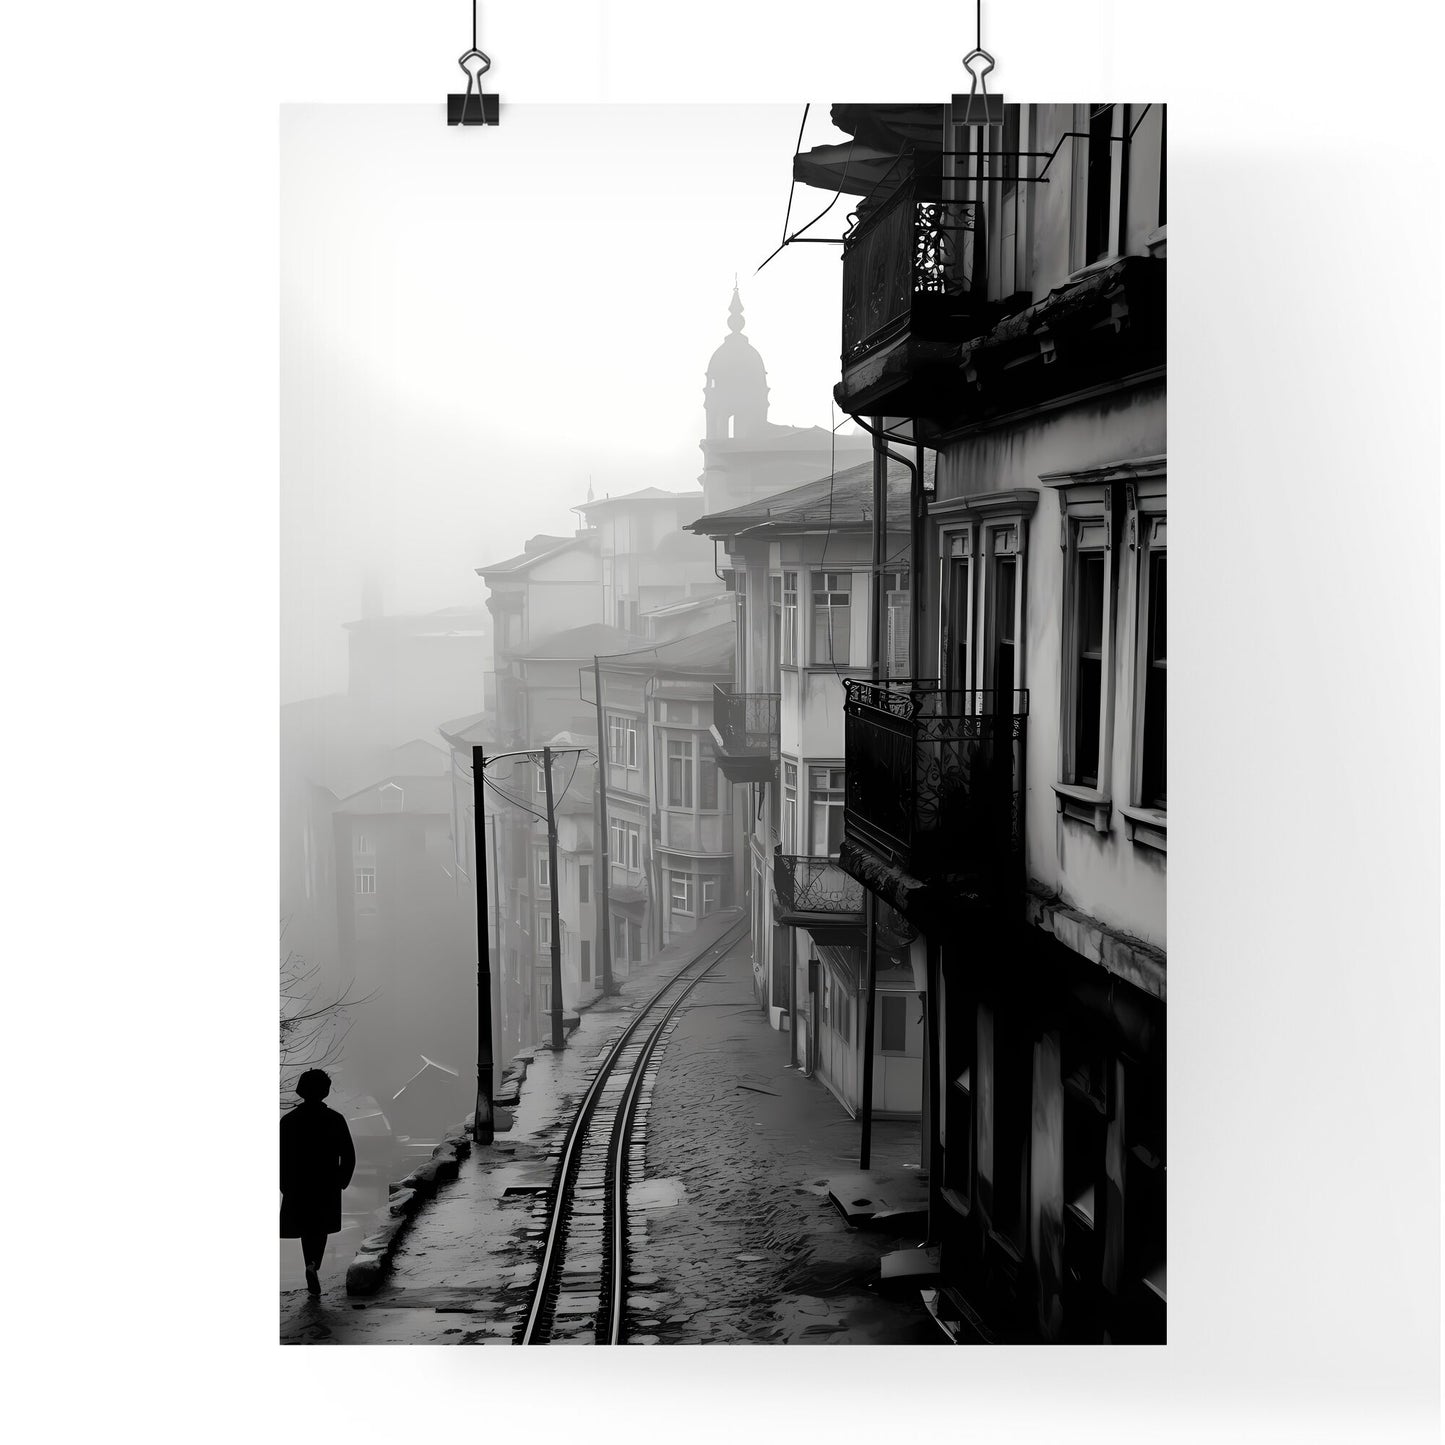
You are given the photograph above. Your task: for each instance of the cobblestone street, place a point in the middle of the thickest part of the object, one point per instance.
(733, 1238)
(738, 1242)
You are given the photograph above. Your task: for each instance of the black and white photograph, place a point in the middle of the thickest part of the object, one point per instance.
(762, 646)
(607, 567)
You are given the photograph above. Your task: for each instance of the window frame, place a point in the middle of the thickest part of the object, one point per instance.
(683, 797)
(816, 589)
(898, 603)
(544, 928)
(685, 908)
(1091, 504)
(788, 832)
(790, 618)
(710, 893)
(364, 875)
(1146, 505)
(1117, 181)
(544, 872)
(973, 530)
(834, 801)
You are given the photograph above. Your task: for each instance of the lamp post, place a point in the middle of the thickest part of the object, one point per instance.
(482, 1118)
(482, 1122)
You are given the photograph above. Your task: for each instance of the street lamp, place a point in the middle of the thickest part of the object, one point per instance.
(482, 1119)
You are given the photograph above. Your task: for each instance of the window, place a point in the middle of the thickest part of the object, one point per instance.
(1086, 709)
(626, 846)
(790, 809)
(899, 639)
(544, 928)
(775, 611)
(621, 740)
(825, 810)
(1099, 184)
(956, 653)
(1147, 532)
(544, 876)
(541, 778)
(364, 845)
(1088, 665)
(682, 893)
(832, 592)
(546, 989)
(790, 619)
(707, 788)
(1003, 611)
(893, 1023)
(586, 963)
(679, 773)
(709, 895)
(366, 880)
(584, 883)
(1156, 674)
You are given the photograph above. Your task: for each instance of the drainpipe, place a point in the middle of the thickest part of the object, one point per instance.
(870, 902)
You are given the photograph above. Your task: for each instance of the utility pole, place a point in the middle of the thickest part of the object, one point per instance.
(870, 902)
(482, 1119)
(557, 1040)
(604, 837)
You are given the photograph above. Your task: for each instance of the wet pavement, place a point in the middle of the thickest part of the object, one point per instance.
(732, 1237)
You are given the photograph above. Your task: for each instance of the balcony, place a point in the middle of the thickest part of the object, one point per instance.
(914, 290)
(816, 894)
(932, 821)
(745, 731)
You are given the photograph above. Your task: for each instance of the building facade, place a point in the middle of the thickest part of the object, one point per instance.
(799, 574)
(1009, 799)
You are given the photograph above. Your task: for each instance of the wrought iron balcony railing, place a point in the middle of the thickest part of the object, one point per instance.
(932, 788)
(816, 886)
(746, 728)
(911, 265)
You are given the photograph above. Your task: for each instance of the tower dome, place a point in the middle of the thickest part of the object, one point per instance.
(736, 395)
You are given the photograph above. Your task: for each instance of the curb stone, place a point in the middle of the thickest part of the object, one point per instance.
(389, 1224)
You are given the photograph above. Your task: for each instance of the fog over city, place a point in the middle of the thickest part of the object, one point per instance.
(475, 324)
(723, 816)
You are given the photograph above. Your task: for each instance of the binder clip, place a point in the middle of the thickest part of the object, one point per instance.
(472, 107)
(978, 107)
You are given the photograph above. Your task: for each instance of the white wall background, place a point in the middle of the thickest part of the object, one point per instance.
(141, 586)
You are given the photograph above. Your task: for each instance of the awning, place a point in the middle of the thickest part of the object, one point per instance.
(881, 134)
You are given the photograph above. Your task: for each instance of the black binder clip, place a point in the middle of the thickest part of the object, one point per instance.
(472, 107)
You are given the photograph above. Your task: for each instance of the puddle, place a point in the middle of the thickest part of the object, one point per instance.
(656, 1194)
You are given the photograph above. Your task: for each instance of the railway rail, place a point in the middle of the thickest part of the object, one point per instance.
(581, 1278)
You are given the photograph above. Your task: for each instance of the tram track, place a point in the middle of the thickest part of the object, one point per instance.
(582, 1275)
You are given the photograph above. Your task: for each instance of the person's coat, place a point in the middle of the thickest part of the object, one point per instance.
(317, 1161)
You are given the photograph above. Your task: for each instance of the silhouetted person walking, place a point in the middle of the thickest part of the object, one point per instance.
(317, 1160)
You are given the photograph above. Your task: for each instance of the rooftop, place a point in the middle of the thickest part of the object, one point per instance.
(418, 795)
(581, 643)
(644, 494)
(842, 502)
(538, 549)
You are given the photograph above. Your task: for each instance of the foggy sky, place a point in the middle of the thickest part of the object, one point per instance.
(473, 321)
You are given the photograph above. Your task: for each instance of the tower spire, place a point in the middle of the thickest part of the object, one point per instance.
(735, 310)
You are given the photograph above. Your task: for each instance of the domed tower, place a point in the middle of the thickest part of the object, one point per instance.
(736, 395)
